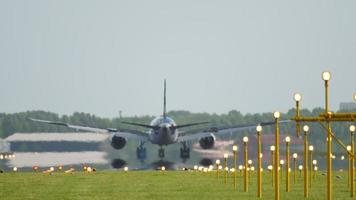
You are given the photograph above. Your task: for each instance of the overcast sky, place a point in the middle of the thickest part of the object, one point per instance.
(104, 56)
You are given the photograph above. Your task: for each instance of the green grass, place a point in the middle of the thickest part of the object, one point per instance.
(153, 185)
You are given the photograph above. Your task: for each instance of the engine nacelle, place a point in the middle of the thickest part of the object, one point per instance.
(207, 142)
(117, 142)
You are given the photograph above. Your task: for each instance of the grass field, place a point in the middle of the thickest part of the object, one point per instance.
(154, 185)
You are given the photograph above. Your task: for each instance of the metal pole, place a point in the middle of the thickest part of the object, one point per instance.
(297, 115)
(287, 169)
(352, 166)
(259, 175)
(305, 165)
(225, 174)
(329, 173)
(272, 152)
(311, 168)
(245, 170)
(235, 172)
(349, 171)
(295, 169)
(276, 162)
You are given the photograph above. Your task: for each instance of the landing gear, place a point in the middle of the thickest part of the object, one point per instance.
(185, 151)
(141, 152)
(161, 152)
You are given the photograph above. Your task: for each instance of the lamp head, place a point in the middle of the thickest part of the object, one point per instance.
(354, 96)
(249, 162)
(259, 128)
(287, 139)
(297, 97)
(326, 76)
(281, 162)
(311, 148)
(272, 148)
(295, 155)
(234, 148)
(226, 155)
(217, 162)
(245, 139)
(348, 148)
(306, 128)
(300, 167)
(277, 115)
(315, 162)
(352, 128)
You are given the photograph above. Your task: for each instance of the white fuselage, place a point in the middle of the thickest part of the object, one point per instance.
(165, 134)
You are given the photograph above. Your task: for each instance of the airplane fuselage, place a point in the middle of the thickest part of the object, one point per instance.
(165, 133)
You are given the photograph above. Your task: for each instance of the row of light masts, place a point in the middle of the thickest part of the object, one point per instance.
(327, 117)
(248, 163)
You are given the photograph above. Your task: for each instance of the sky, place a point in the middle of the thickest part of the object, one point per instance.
(100, 57)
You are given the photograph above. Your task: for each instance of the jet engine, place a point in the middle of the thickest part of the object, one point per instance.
(117, 142)
(207, 142)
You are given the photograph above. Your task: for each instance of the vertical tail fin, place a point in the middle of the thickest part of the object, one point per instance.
(164, 100)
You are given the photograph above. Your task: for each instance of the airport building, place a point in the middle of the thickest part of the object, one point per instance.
(54, 149)
(347, 106)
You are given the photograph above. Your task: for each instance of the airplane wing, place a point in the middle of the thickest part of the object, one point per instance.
(198, 134)
(127, 133)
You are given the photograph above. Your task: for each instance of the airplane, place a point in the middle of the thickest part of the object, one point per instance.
(162, 131)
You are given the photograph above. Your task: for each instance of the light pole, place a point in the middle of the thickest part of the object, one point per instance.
(311, 149)
(259, 163)
(352, 133)
(287, 164)
(326, 77)
(315, 162)
(270, 168)
(297, 99)
(249, 166)
(245, 140)
(234, 150)
(305, 129)
(281, 162)
(315, 170)
(240, 169)
(276, 115)
(300, 167)
(295, 156)
(349, 171)
(225, 166)
(217, 162)
(272, 148)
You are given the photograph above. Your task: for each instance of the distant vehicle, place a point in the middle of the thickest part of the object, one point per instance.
(161, 131)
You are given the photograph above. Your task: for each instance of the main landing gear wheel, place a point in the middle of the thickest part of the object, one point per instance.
(141, 153)
(185, 152)
(161, 152)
